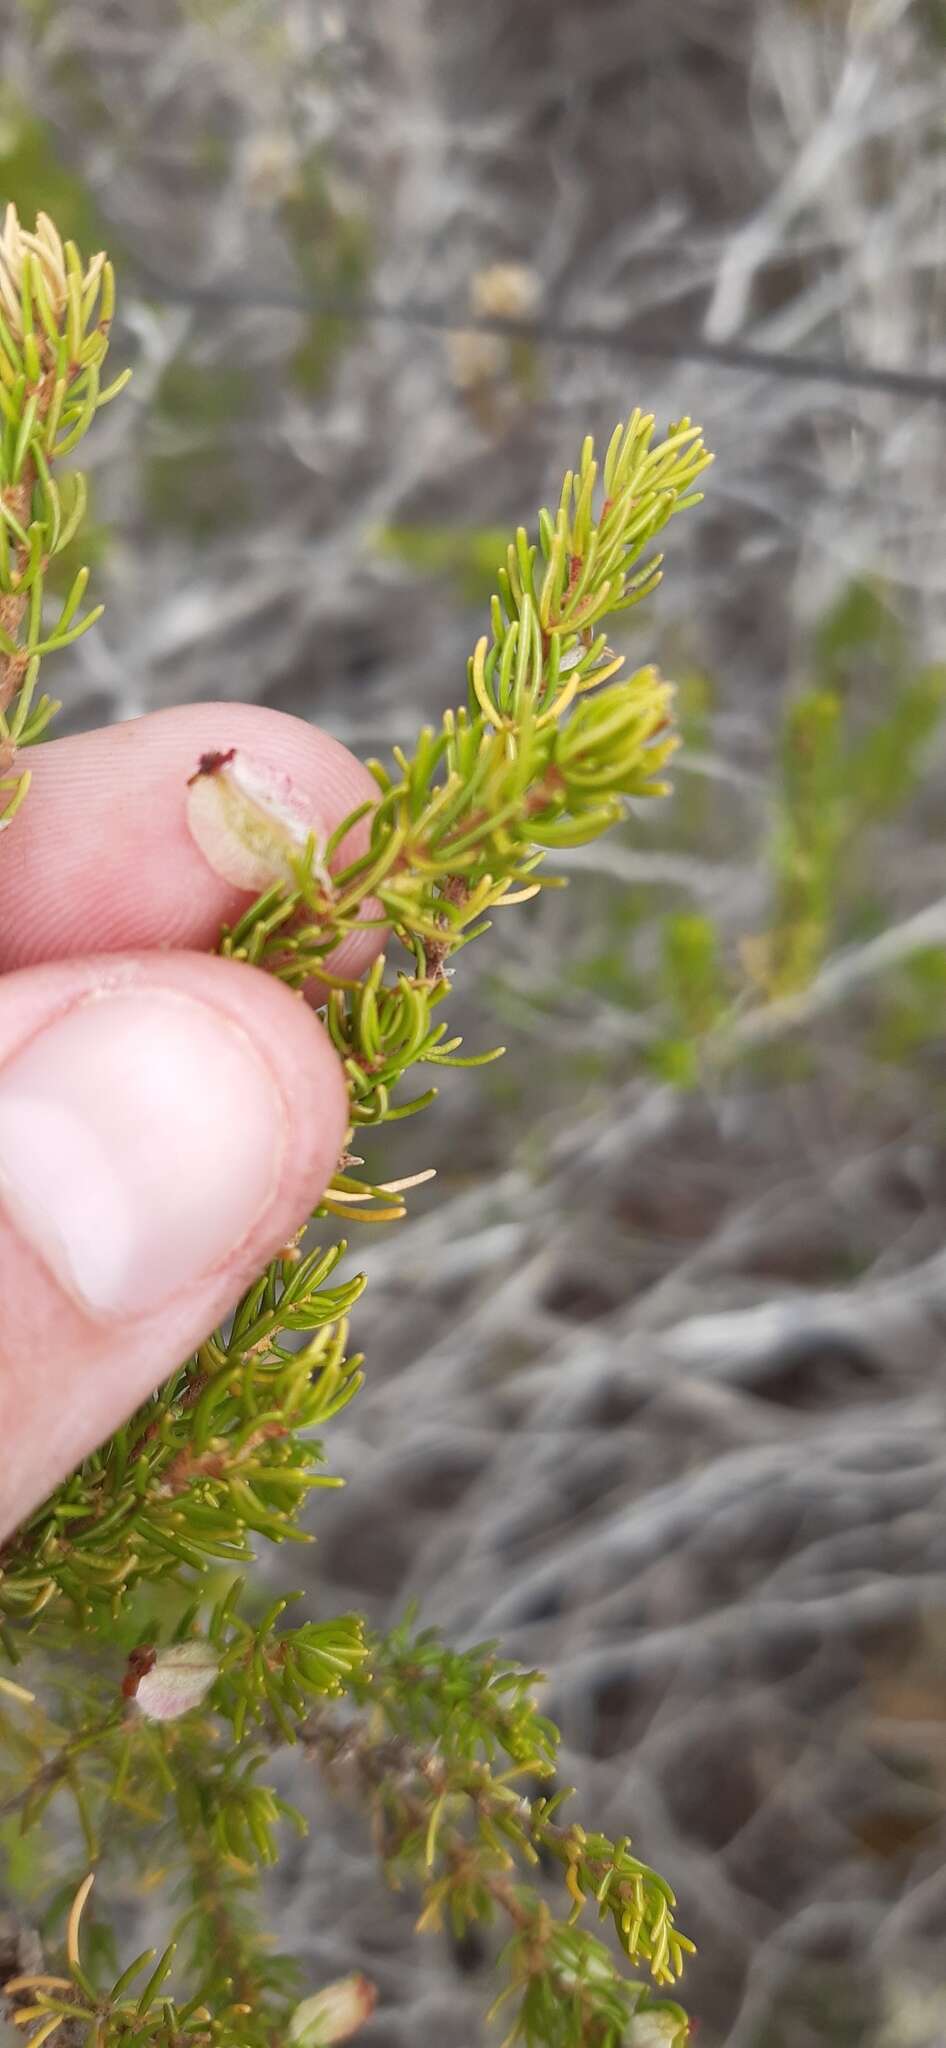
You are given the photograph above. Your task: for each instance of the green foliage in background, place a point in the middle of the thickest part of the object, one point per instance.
(332, 245)
(194, 477)
(852, 753)
(845, 768)
(466, 555)
(35, 180)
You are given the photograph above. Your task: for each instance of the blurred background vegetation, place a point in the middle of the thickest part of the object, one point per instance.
(669, 1328)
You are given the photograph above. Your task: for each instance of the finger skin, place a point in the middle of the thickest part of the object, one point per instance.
(67, 1380)
(100, 858)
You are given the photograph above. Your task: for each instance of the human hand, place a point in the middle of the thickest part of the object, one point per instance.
(167, 1119)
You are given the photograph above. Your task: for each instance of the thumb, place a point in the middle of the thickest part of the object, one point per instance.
(167, 1121)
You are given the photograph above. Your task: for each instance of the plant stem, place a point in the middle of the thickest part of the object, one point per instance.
(18, 500)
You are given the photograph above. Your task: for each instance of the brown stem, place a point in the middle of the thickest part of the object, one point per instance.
(231, 1948)
(18, 499)
(437, 951)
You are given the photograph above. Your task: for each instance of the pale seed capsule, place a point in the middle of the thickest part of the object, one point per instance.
(334, 2014)
(178, 1680)
(655, 2030)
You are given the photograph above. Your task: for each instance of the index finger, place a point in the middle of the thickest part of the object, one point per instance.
(102, 858)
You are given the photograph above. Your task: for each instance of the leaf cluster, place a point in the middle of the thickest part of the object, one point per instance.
(225, 1450)
(447, 1756)
(55, 316)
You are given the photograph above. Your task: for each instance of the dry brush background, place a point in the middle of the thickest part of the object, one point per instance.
(655, 1377)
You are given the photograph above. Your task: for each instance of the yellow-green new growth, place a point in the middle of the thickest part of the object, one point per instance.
(55, 316)
(547, 751)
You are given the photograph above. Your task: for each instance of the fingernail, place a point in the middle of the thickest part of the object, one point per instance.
(141, 1137)
(248, 822)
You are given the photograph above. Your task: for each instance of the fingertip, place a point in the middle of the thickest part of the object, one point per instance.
(105, 857)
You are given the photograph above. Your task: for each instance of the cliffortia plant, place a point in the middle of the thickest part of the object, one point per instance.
(137, 1558)
(55, 315)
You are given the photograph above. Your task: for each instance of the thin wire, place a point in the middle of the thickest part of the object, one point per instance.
(620, 340)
